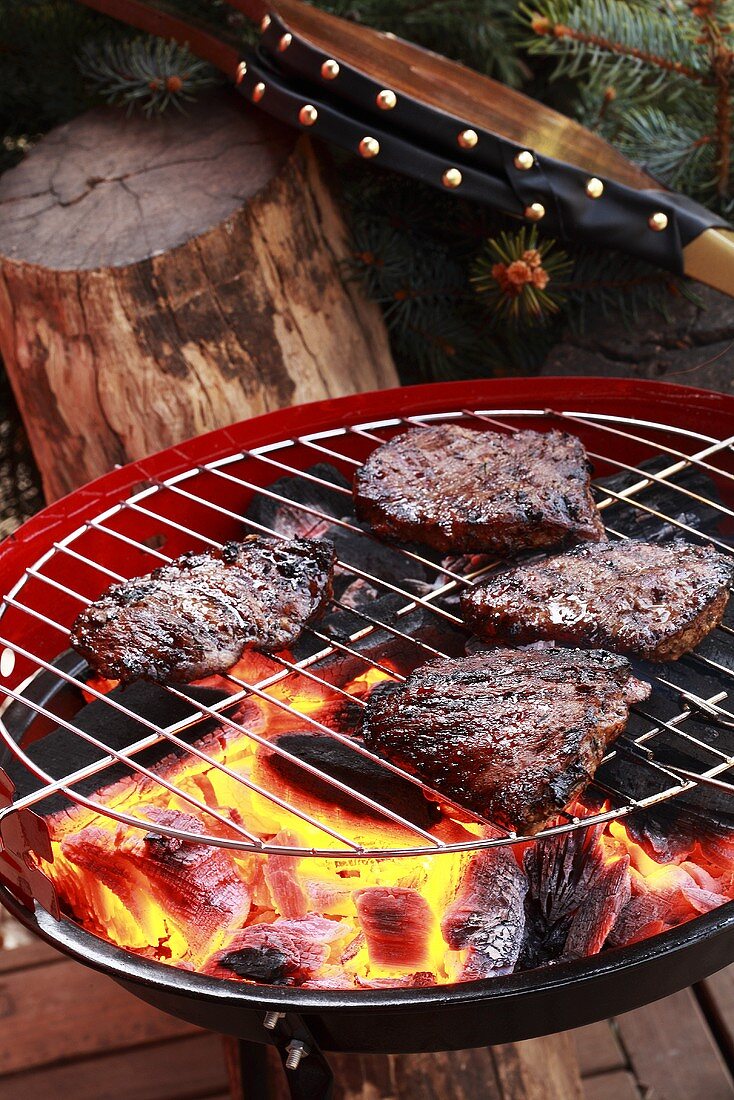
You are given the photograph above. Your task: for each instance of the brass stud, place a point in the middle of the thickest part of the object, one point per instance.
(658, 221)
(265, 23)
(369, 147)
(594, 188)
(285, 41)
(258, 92)
(330, 69)
(535, 211)
(307, 115)
(386, 99)
(524, 160)
(241, 72)
(467, 139)
(451, 178)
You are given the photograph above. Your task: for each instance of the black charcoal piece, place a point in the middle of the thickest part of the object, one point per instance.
(61, 751)
(356, 771)
(638, 523)
(257, 964)
(574, 897)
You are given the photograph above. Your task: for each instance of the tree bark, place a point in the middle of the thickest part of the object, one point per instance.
(160, 278)
(693, 346)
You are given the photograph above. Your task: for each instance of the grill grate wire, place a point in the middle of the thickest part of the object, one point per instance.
(449, 580)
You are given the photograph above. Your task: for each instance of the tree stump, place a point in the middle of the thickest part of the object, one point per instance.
(162, 277)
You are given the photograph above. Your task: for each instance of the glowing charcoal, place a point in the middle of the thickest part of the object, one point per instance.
(488, 916)
(397, 923)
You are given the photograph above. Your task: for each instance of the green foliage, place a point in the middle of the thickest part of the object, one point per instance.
(144, 72)
(635, 46)
(481, 33)
(656, 79)
(403, 256)
(519, 278)
(615, 284)
(40, 86)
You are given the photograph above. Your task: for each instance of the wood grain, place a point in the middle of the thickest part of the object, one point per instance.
(672, 1051)
(184, 1069)
(716, 996)
(162, 278)
(597, 1049)
(60, 1011)
(540, 1069)
(612, 1086)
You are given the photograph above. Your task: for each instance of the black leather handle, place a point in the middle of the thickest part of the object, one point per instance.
(422, 141)
(653, 225)
(269, 89)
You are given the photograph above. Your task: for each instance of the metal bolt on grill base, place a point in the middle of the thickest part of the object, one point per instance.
(296, 1052)
(271, 1020)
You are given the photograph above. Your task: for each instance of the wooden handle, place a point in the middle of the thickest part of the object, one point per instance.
(710, 259)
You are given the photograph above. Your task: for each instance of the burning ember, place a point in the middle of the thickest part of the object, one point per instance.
(354, 922)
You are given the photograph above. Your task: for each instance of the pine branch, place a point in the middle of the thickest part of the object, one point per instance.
(541, 25)
(715, 35)
(672, 149)
(517, 277)
(480, 33)
(629, 44)
(144, 72)
(614, 284)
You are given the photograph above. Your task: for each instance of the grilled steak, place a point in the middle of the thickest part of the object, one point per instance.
(656, 600)
(196, 616)
(461, 491)
(513, 735)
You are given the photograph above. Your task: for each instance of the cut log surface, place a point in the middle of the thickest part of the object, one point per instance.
(162, 277)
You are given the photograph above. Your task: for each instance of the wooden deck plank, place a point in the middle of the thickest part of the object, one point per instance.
(37, 953)
(597, 1049)
(67, 1029)
(64, 1011)
(619, 1085)
(181, 1069)
(717, 998)
(537, 1069)
(672, 1051)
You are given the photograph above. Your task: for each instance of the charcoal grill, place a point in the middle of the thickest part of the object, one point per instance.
(194, 496)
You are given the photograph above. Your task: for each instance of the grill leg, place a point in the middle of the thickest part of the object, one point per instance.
(247, 1069)
(250, 1071)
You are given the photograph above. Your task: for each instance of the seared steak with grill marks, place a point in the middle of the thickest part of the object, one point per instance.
(196, 616)
(656, 600)
(512, 734)
(459, 490)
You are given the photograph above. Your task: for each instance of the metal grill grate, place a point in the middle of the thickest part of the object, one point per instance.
(204, 506)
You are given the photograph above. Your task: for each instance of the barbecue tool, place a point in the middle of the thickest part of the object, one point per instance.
(417, 113)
